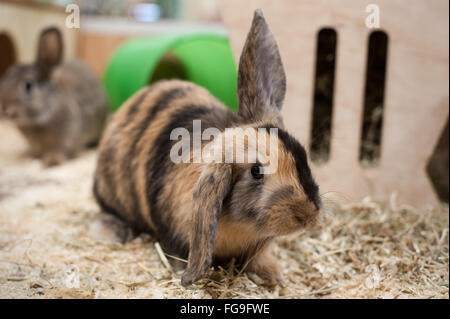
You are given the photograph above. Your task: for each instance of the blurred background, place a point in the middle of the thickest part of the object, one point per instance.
(105, 24)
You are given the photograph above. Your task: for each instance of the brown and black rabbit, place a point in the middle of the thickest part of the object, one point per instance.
(59, 107)
(210, 211)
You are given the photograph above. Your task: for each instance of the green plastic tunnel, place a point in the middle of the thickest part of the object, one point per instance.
(204, 59)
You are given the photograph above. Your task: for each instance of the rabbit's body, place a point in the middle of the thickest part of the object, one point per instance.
(58, 107)
(86, 96)
(136, 144)
(208, 212)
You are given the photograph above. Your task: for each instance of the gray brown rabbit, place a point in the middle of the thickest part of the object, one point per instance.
(58, 106)
(210, 211)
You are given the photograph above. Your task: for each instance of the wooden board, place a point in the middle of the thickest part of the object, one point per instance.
(96, 49)
(416, 97)
(23, 24)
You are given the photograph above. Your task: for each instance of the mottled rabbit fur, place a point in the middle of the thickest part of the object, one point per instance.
(59, 107)
(209, 213)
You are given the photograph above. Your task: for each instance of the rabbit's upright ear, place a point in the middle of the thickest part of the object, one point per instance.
(50, 51)
(209, 193)
(261, 79)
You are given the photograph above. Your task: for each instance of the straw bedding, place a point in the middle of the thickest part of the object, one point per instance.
(55, 243)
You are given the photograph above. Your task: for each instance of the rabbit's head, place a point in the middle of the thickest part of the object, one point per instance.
(268, 194)
(29, 94)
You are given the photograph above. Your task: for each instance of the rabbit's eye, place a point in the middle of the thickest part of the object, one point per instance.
(257, 171)
(28, 86)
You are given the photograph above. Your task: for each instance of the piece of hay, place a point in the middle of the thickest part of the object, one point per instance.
(163, 257)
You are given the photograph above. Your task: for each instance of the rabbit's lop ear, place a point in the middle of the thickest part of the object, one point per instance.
(50, 51)
(261, 79)
(209, 193)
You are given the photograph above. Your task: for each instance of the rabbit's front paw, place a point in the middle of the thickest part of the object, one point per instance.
(267, 269)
